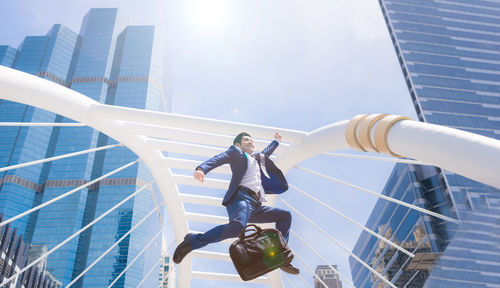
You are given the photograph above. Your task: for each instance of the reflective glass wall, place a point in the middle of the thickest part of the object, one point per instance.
(410, 229)
(448, 52)
(112, 63)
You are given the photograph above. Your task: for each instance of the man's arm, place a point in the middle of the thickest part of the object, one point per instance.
(212, 163)
(268, 151)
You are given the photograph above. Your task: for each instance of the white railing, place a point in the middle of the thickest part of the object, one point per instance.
(41, 124)
(113, 246)
(57, 157)
(336, 242)
(420, 209)
(376, 158)
(373, 233)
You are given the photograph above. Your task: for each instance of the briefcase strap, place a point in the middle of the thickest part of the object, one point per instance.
(248, 228)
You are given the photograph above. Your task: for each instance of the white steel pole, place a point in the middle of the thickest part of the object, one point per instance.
(58, 157)
(380, 195)
(66, 194)
(139, 254)
(113, 246)
(323, 259)
(39, 124)
(43, 256)
(339, 244)
(371, 232)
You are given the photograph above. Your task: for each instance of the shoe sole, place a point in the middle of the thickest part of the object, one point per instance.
(185, 239)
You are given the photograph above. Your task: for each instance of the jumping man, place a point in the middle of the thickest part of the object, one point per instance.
(243, 199)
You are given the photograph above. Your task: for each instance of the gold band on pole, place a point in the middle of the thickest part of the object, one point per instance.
(364, 131)
(351, 132)
(359, 130)
(382, 130)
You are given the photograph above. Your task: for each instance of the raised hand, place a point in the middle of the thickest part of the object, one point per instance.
(277, 136)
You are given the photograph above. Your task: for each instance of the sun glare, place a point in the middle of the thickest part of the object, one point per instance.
(209, 15)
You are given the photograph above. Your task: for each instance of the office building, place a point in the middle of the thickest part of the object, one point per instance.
(329, 276)
(448, 52)
(165, 277)
(8, 55)
(112, 63)
(449, 56)
(49, 57)
(417, 185)
(15, 254)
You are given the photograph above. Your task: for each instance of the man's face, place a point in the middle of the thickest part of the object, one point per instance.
(246, 144)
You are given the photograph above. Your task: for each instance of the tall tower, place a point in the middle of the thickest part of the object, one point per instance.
(99, 32)
(406, 227)
(166, 277)
(136, 84)
(328, 276)
(448, 52)
(8, 55)
(449, 56)
(51, 57)
(114, 64)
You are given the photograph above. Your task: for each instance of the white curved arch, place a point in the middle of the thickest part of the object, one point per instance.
(470, 155)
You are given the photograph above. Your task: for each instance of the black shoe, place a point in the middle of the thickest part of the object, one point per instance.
(183, 249)
(290, 269)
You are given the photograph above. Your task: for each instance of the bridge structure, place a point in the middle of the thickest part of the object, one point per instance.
(149, 134)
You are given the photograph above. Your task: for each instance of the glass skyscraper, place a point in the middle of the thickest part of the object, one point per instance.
(449, 55)
(7, 55)
(410, 229)
(448, 51)
(51, 57)
(112, 63)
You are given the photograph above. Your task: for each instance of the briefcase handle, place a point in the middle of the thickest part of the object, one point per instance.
(246, 229)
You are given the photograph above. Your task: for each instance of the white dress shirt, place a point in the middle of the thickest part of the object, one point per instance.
(251, 179)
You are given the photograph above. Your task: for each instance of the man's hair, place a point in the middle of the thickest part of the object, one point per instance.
(239, 137)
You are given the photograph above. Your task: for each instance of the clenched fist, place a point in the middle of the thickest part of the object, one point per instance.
(199, 175)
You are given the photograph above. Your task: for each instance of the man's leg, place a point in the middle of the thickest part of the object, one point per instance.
(283, 219)
(267, 214)
(238, 211)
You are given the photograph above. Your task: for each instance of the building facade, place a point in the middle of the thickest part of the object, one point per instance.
(15, 254)
(8, 55)
(449, 56)
(448, 52)
(410, 229)
(165, 275)
(112, 63)
(329, 276)
(38, 55)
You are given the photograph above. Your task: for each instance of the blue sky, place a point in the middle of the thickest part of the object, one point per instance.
(291, 64)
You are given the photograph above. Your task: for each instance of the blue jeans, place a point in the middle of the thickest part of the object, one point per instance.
(242, 209)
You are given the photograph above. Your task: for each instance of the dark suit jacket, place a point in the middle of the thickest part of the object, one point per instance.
(275, 184)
